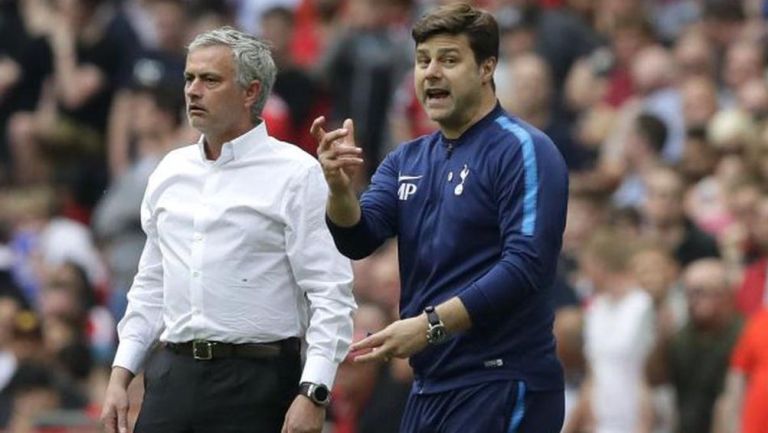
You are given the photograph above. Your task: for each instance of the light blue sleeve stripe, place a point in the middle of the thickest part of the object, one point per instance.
(519, 411)
(530, 198)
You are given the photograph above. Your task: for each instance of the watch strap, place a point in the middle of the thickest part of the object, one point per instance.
(432, 316)
(315, 392)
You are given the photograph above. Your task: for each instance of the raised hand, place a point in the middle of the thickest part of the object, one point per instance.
(338, 154)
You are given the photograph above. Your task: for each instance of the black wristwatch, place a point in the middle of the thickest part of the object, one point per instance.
(436, 332)
(317, 392)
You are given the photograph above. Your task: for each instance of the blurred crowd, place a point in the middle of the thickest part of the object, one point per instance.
(659, 107)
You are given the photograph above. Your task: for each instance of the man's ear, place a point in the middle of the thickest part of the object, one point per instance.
(487, 68)
(252, 93)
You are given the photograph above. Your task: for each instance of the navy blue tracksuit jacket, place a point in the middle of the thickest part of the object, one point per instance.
(480, 217)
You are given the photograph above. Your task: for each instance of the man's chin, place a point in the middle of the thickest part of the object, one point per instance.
(438, 114)
(195, 121)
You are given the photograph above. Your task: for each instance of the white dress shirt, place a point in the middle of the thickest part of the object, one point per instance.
(238, 251)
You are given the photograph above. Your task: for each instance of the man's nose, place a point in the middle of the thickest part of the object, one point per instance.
(193, 88)
(433, 69)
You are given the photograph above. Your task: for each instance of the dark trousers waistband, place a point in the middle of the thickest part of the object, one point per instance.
(204, 350)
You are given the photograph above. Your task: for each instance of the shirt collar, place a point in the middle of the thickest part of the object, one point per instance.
(497, 111)
(237, 148)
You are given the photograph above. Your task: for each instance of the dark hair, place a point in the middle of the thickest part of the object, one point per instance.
(457, 19)
(653, 130)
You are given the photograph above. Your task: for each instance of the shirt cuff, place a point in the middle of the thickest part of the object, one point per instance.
(319, 369)
(130, 355)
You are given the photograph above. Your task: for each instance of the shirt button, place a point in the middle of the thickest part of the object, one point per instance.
(195, 274)
(198, 237)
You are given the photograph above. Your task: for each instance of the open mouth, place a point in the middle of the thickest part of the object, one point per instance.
(436, 95)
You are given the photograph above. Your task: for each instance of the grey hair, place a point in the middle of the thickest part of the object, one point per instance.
(252, 58)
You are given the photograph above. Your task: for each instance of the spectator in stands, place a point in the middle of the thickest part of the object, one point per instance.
(297, 88)
(643, 150)
(24, 64)
(529, 95)
(694, 55)
(698, 159)
(154, 129)
(362, 69)
(700, 100)
(744, 61)
(695, 359)
(35, 393)
(615, 394)
(658, 272)
(84, 72)
(158, 66)
(663, 219)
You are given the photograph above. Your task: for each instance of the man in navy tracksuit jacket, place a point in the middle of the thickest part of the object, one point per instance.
(479, 210)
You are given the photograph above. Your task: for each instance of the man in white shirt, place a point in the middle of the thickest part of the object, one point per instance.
(238, 265)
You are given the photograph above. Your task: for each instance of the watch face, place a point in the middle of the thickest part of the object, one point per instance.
(321, 394)
(436, 335)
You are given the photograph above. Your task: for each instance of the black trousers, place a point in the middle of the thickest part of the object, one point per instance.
(229, 395)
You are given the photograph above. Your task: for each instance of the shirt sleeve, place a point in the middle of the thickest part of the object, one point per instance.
(142, 324)
(323, 274)
(531, 190)
(378, 215)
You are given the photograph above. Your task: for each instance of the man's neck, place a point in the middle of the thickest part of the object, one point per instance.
(212, 149)
(213, 143)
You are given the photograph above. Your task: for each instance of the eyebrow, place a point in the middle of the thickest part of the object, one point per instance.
(440, 51)
(203, 75)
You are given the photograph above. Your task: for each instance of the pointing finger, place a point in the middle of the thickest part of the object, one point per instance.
(380, 354)
(369, 342)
